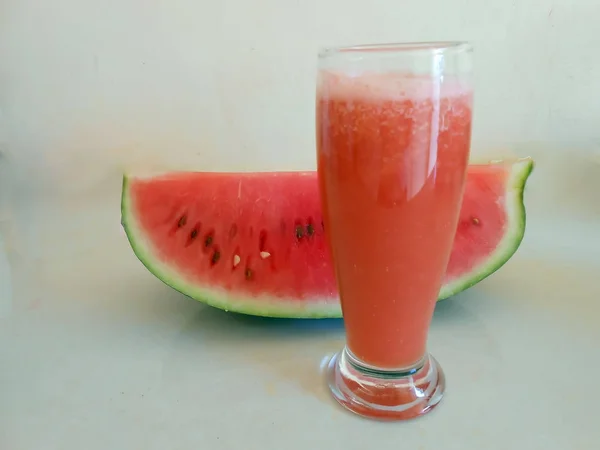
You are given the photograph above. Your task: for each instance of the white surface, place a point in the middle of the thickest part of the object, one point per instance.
(95, 353)
(89, 86)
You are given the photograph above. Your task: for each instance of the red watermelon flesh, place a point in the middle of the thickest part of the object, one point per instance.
(254, 243)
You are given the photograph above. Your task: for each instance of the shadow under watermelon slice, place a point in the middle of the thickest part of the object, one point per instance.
(254, 243)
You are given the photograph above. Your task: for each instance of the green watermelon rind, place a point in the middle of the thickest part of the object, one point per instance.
(326, 307)
(513, 236)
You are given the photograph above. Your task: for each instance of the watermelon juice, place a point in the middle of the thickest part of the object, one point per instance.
(392, 158)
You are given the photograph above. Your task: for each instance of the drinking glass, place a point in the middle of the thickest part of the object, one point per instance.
(393, 136)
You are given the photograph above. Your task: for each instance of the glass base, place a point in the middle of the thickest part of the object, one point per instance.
(385, 395)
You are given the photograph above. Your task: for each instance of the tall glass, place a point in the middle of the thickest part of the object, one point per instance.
(393, 139)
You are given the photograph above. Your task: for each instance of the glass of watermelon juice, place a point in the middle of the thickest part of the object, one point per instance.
(393, 137)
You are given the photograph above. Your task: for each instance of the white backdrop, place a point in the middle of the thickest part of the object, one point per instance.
(89, 88)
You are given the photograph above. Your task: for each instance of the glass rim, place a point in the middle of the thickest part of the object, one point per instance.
(428, 47)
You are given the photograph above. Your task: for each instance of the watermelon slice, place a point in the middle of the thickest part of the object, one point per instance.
(254, 243)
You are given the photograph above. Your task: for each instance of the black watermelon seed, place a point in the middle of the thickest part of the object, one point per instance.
(232, 231)
(182, 221)
(262, 240)
(310, 229)
(193, 234)
(208, 240)
(249, 274)
(299, 232)
(215, 257)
